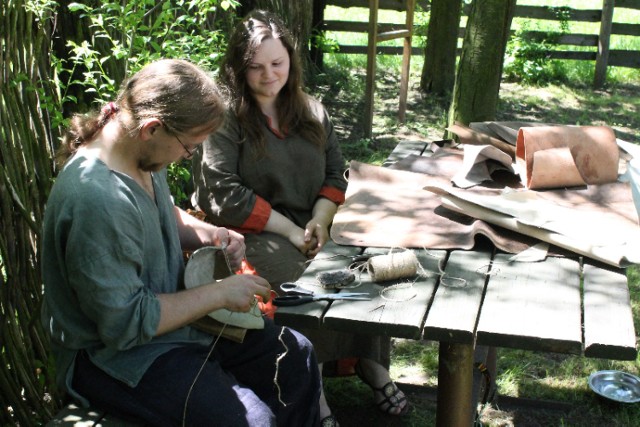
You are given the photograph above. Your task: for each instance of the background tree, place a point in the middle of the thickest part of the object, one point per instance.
(297, 15)
(439, 67)
(475, 94)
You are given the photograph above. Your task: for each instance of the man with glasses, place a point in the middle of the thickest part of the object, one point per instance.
(112, 264)
(189, 151)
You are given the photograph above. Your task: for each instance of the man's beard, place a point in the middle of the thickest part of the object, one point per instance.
(149, 166)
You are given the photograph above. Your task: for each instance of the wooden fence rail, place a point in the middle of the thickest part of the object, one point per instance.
(600, 53)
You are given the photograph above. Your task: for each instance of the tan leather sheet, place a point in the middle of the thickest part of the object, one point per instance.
(467, 135)
(567, 156)
(576, 223)
(550, 155)
(387, 207)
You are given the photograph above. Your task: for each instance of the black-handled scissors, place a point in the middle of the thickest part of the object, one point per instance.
(293, 287)
(290, 300)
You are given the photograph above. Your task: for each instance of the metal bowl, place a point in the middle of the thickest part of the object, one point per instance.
(616, 385)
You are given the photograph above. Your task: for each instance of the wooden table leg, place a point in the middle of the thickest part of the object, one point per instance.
(455, 381)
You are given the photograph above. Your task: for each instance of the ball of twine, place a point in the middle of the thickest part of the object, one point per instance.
(395, 265)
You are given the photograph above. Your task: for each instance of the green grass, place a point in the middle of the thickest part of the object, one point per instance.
(569, 70)
(584, 70)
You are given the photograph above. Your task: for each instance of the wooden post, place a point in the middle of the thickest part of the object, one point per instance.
(374, 38)
(317, 29)
(455, 380)
(370, 82)
(602, 56)
(406, 62)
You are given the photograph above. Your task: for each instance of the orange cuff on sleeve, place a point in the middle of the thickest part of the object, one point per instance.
(259, 216)
(333, 194)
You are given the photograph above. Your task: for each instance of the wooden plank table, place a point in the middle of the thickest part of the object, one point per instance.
(464, 299)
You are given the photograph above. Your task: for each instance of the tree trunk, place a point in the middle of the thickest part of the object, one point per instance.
(72, 27)
(475, 94)
(297, 16)
(439, 69)
(69, 28)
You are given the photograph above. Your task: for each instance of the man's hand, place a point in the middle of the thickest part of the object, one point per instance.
(233, 245)
(239, 291)
(235, 293)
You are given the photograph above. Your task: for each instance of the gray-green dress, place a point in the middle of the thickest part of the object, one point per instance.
(237, 189)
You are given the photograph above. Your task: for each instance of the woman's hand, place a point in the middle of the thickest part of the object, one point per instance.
(316, 234)
(318, 227)
(283, 226)
(298, 238)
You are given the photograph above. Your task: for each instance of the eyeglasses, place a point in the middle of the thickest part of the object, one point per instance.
(189, 152)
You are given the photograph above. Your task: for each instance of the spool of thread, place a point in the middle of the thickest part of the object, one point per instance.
(395, 265)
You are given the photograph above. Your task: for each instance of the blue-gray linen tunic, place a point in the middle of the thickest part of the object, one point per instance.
(108, 250)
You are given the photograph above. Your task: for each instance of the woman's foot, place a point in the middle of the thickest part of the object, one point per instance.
(327, 419)
(389, 398)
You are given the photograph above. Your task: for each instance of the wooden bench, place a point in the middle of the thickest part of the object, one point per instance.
(73, 415)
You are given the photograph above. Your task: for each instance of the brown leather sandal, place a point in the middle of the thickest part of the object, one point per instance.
(329, 421)
(393, 396)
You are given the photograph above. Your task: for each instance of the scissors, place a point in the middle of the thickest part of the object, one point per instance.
(289, 300)
(292, 287)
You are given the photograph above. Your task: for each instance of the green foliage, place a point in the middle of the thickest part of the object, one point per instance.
(132, 34)
(324, 43)
(527, 59)
(421, 19)
(142, 31)
(179, 180)
(94, 78)
(563, 13)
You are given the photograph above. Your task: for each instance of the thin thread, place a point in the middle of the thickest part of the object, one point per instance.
(275, 378)
(356, 283)
(254, 303)
(407, 265)
(186, 402)
(406, 285)
(223, 248)
(360, 267)
(446, 280)
(490, 270)
(224, 325)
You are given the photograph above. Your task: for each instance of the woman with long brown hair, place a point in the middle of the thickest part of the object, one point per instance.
(275, 173)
